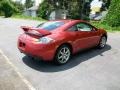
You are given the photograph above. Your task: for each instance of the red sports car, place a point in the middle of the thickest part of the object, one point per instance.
(58, 40)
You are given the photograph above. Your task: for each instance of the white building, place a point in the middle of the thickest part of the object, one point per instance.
(31, 11)
(58, 14)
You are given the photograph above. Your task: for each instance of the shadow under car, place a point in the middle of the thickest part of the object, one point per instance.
(74, 61)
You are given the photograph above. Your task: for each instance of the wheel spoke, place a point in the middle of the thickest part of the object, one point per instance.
(61, 52)
(67, 52)
(64, 50)
(63, 60)
(60, 57)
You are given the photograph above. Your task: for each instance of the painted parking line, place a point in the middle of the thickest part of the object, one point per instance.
(29, 85)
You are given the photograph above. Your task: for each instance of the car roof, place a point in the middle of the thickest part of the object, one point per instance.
(68, 20)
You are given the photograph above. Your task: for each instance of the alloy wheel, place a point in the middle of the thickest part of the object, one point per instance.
(63, 55)
(103, 42)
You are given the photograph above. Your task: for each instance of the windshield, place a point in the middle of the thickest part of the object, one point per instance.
(50, 25)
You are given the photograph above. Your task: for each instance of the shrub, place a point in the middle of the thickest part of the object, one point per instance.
(113, 16)
(7, 8)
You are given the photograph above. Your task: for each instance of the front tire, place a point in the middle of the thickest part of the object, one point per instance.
(63, 55)
(102, 42)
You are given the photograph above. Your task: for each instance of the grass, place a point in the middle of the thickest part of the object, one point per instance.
(19, 16)
(105, 26)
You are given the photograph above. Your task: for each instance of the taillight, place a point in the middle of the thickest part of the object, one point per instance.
(21, 44)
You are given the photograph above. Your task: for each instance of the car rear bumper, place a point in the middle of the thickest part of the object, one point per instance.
(47, 56)
(42, 51)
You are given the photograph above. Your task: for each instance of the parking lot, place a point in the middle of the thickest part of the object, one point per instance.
(93, 69)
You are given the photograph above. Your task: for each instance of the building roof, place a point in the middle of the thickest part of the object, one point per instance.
(33, 8)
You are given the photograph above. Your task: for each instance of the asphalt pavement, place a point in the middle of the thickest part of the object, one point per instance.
(93, 69)
(9, 77)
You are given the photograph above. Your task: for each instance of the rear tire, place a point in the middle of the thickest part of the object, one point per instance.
(63, 55)
(30, 57)
(102, 42)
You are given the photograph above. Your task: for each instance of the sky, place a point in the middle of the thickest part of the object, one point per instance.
(36, 1)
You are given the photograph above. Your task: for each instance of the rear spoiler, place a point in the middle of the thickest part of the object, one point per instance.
(35, 31)
(26, 28)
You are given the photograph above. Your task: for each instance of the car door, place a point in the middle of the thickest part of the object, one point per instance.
(74, 37)
(87, 34)
(79, 37)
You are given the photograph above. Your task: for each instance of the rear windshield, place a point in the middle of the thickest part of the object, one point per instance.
(50, 25)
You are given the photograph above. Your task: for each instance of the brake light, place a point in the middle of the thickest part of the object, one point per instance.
(21, 44)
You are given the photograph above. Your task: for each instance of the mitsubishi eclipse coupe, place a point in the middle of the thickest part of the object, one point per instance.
(58, 40)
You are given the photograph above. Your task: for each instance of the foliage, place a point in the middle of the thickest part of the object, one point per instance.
(29, 3)
(113, 16)
(107, 3)
(7, 8)
(105, 26)
(19, 6)
(44, 9)
(74, 7)
(1, 13)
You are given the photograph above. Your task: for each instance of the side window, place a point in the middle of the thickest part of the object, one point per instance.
(73, 28)
(84, 27)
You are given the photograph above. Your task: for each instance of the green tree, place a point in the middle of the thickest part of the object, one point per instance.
(107, 3)
(113, 16)
(19, 6)
(71, 5)
(45, 9)
(29, 3)
(0, 9)
(7, 8)
(74, 7)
